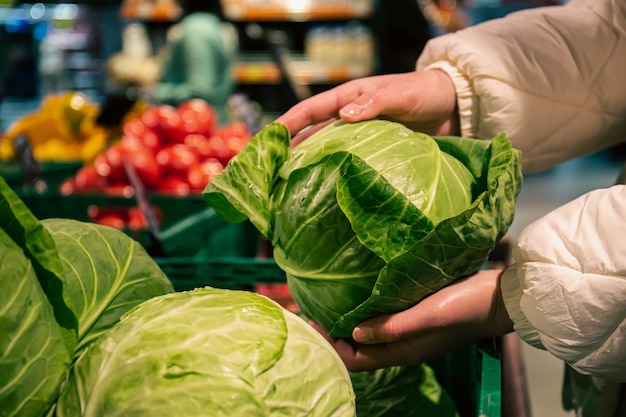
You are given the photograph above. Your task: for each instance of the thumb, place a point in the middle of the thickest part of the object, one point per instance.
(382, 329)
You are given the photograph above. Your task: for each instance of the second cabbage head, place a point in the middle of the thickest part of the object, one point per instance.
(369, 218)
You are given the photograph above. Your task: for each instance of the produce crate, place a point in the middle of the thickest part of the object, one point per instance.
(52, 174)
(221, 272)
(77, 206)
(188, 227)
(472, 377)
(205, 235)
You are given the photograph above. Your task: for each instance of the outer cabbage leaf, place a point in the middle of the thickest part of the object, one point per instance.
(408, 391)
(256, 167)
(371, 217)
(106, 273)
(209, 352)
(34, 359)
(26, 230)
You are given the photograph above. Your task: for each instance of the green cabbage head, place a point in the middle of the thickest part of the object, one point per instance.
(371, 217)
(209, 352)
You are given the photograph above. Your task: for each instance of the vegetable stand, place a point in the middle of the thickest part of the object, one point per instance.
(211, 252)
(201, 249)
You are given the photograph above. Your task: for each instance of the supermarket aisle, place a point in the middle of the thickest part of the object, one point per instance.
(540, 194)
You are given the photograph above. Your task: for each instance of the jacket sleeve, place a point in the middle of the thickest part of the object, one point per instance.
(566, 290)
(551, 78)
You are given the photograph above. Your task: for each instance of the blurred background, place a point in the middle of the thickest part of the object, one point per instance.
(274, 53)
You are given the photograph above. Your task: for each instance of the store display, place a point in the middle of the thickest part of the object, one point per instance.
(107, 281)
(174, 150)
(309, 44)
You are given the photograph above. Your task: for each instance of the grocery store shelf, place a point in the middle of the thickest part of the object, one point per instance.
(298, 11)
(148, 11)
(265, 71)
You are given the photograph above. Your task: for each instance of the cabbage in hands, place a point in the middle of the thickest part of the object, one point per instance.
(371, 217)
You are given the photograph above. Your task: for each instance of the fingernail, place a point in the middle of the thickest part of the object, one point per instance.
(352, 110)
(363, 334)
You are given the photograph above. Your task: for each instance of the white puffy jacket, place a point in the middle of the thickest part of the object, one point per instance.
(554, 79)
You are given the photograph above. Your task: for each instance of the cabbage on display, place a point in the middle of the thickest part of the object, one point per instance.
(216, 352)
(62, 284)
(371, 217)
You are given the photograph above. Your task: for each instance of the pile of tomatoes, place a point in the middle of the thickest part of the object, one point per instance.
(173, 150)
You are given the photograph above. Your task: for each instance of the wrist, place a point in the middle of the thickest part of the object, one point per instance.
(501, 321)
(449, 102)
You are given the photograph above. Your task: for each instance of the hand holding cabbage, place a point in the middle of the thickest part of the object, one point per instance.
(463, 313)
(369, 218)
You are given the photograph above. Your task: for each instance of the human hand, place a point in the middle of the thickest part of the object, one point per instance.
(424, 101)
(465, 312)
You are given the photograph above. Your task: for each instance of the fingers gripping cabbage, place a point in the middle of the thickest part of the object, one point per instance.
(369, 218)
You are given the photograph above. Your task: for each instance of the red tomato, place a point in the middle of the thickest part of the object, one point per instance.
(176, 159)
(114, 220)
(67, 187)
(235, 144)
(88, 178)
(200, 144)
(148, 169)
(237, 128)
(151, 140)
(198, 116)
(135, 127)
(201, 174)
(236, 136)
(218, 149)
(174, 185)
(148, 140)
(136, 219)
(130, 144)
(165, 121)
(109, 164)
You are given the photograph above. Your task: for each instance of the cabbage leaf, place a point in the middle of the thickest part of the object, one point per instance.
(34, 359)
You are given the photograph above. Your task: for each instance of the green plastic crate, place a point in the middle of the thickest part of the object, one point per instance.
(188, 227)
(76, 206)
(205, 235)
(221, 272)
(52, 173)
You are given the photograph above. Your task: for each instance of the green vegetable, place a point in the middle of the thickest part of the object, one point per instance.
(408, 391)
(105, 272)
(33, 356)
(369, 218)
(62, 283)
(209, 352)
